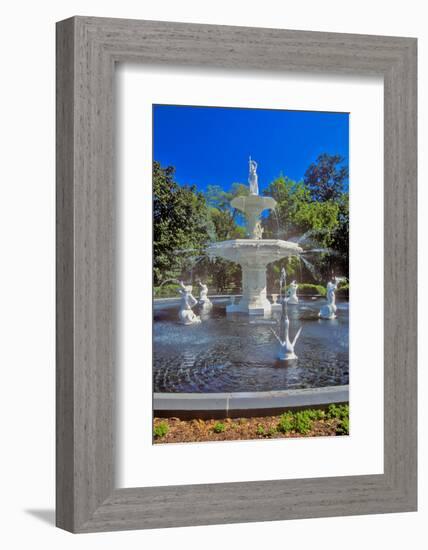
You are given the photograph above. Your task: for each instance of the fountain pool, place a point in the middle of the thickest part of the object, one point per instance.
(236, 353)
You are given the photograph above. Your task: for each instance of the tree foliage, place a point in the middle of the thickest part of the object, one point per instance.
(316, 224)
(181, 224)
(185, 221)
(325, 178)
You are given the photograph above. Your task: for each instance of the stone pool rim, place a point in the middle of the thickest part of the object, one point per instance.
(241, 404)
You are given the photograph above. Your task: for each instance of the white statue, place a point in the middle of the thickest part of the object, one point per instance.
(286, 348)
(204, 301)
(329, 310)
(292, 293)
(186, 315)
(252, 178)
(258, 231)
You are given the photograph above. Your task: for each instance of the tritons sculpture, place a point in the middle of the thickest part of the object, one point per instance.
(186, 314)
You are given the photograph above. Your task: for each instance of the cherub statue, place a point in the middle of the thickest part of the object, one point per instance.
(186, 315)
(292, 293)
(328, 311)
(204, 301)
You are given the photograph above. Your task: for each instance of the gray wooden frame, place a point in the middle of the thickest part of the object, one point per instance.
(87, 50)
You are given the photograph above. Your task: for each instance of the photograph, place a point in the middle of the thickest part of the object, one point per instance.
(210, 275)
(250, 273)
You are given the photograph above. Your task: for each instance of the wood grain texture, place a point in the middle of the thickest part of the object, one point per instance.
(87, 49)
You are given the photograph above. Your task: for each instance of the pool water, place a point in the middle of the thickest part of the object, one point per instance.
(237, 353)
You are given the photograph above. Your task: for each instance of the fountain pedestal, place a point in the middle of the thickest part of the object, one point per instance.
(253, 299)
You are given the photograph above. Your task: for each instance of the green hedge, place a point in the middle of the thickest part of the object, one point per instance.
(306, 289)
(167, 291)
(343, 291)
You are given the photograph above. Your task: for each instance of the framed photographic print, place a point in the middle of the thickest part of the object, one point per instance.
(236, 241)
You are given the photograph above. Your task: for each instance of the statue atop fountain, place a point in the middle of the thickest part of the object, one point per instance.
(258, 230)
(253, 178)
(286, 348)
(328, 311)
(204, 301)
(292, 293)
(186, 315)
(254, 253)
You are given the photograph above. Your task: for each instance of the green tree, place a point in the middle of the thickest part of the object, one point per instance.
(298, 214)
(223, 274)
(181, 225)
(340, 237)
(325, 178)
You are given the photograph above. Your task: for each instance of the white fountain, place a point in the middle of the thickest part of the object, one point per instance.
(254, 253)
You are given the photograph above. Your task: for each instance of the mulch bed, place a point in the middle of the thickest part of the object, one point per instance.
(184, 431)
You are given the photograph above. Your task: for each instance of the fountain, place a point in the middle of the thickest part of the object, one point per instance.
(286, 348)
(292, 293)
(186, 315)
(204, 301)
(328, 311)
(254, 253)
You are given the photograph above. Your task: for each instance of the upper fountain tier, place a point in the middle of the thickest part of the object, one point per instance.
(252, 206)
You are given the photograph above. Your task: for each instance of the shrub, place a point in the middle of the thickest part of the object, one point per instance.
(286, 422)
(343, 290)
(315, 414)
(338, 411)
(219, 427)
(260, 430)
(332, 411)
(272, 431)
(343, 427)
(161, 430)
(166, 291)
(303, 422)
(306, 289)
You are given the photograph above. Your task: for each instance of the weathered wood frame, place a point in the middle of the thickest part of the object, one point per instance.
(87, 50)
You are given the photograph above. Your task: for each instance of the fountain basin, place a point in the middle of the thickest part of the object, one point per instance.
(235, 353)
(253, 255)
(254, 251)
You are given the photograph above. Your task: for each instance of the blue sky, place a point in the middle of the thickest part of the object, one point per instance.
(211, 145)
